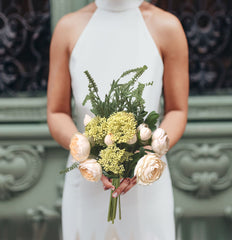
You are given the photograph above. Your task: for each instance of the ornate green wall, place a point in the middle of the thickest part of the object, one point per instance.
(201, 169)
(30, 160)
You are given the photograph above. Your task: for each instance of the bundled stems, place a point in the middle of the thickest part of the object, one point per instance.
(113, 202)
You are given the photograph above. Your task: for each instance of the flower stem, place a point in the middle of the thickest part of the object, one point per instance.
(110, 207)
(119, 205)
(113, 202)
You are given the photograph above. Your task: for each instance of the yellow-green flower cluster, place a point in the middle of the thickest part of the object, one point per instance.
(122, 126)
(97, 128)
(112, 159)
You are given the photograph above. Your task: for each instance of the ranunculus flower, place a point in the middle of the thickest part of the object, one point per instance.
(142, 125)
(145, 133)
(149, 169)
(108, 140)
(91, 170)
(87, 119)
(133, 140)
(160, 142)
(79, 147)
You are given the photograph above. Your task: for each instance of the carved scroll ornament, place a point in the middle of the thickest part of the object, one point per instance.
(20, 169)
(202, 170)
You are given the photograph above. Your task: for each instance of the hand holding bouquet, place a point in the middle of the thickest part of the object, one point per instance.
(113, 141)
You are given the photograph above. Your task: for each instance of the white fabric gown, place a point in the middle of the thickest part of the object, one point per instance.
(116, 39)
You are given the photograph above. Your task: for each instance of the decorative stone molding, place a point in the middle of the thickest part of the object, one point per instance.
(228, 212)
(34, 109)
(23, 109)
(179, 212)
(20, 169)
(201, 169)
(41, 219)
(208, 108)
(42, 213)
(60, 187)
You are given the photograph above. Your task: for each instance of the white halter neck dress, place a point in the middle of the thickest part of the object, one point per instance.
(116, 39)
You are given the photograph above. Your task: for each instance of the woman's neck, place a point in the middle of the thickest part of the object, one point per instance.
(118, 5)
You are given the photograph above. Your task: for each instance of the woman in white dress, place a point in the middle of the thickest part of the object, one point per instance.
(106, 38)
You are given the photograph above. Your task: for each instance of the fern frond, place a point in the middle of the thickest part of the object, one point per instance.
(121, 96)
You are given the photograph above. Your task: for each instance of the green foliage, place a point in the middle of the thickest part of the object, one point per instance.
(151, 120)
(121, 97)
(97, 104)
(131, 165)
(74, 165)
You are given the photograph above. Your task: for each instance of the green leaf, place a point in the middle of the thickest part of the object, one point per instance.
(152, 119)
(121, 97)
(108, 175)
(130, 171)
(74, 165)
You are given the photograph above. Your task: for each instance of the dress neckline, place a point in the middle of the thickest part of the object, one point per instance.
(118, 5)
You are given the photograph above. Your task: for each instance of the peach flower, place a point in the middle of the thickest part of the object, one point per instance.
(79, 147)
(108, 140)
(133, 140)
(91, 170)
(149, 169)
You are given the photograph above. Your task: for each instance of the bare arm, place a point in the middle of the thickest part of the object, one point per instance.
(59, 118)
(176, 81)
(59, 112)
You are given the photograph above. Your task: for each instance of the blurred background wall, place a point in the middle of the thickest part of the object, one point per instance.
(30, 160)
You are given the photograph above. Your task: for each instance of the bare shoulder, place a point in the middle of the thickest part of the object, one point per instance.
(164, 26)
(72, 24)
(162, 20)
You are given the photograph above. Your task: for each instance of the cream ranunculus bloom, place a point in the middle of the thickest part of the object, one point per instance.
(79, 147)
(160, 142)
(87, 119)
(108, 140)
(142, 125)
(91, 170)
(133, 140)
(145, 133)
(149, 169)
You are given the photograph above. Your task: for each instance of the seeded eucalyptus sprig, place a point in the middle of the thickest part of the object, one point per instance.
(121, 97)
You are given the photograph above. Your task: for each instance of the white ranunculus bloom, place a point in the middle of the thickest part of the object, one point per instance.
(149, 169)
(79, 147)
(145, 133)
(108, 140)
(160, 142)
(158, 133)
(133, 140)
(87, 119)
(91, 170)
(142, 125)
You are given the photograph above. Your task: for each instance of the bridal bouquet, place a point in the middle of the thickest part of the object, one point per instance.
(114, 139)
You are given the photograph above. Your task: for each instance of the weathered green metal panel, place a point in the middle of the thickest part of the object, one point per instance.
(30, 161)
(31, 188)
